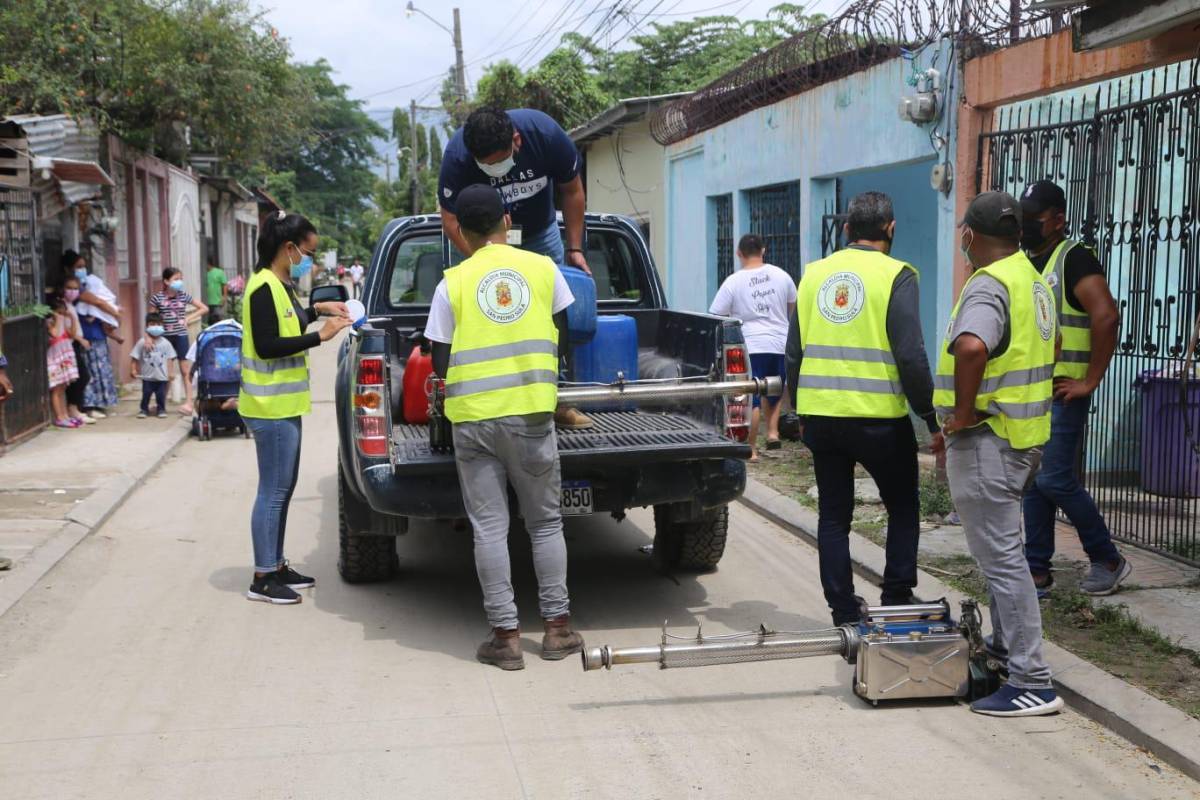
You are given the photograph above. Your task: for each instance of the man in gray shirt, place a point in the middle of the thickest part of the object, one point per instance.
(993, 392)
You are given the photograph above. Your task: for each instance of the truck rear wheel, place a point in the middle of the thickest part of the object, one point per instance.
(693, 543)
(366, 541)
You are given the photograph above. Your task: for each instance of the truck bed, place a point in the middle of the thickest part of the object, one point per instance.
(629, 436)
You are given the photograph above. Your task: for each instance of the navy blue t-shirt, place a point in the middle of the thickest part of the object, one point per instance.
(547, 156)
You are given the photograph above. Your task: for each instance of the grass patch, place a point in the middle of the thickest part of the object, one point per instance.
(935, 497)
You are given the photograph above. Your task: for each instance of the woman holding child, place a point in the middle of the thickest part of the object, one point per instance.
(99, 317)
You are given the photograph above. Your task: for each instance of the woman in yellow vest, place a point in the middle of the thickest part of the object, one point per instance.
(275, 391)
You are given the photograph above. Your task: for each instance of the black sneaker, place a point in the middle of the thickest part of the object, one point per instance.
(269, 589)
(294, 580)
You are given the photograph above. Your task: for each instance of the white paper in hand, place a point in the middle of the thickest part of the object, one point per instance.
(358, 312)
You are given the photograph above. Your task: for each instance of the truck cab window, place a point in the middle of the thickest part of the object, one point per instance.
(416, 271)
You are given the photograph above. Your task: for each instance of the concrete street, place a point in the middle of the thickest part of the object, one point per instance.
(137, 669)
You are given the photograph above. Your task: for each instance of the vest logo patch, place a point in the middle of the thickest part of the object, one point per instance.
(841, 297)
(1043, 311)
(503, 296)
(1052, 279)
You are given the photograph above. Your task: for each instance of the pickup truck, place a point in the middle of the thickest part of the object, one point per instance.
(687, 462)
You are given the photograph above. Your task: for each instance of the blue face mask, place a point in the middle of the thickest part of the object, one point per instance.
(81, 273)
(155, 330)
(176, 284)
(302, 269)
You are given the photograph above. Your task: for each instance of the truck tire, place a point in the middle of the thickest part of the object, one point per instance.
(694, 544)
(363, 558)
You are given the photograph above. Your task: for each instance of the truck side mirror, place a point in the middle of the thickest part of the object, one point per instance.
(329, 293)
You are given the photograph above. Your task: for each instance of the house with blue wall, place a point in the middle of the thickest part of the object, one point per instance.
(785, 170)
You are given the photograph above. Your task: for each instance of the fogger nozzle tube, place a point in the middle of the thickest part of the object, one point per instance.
(667, 393)
(765, 647)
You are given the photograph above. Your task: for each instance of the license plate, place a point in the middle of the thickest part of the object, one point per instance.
(576, 498)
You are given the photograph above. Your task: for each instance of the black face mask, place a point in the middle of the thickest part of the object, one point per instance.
(1031, 233)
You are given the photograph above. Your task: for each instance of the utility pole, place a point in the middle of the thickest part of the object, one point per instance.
(412, 156)
(460, 73)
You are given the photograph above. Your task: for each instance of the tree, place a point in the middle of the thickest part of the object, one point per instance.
(435, 150)
(204, 75)
(330, 160)
(501, 86)
(580, 78)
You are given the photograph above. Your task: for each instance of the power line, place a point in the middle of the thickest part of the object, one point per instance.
(546, 30)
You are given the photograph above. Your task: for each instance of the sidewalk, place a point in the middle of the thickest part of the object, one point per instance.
(59, 486)
(1163, 730)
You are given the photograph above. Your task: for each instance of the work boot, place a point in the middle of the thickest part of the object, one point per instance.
(502, 649)
(559, 640)
(572, 419)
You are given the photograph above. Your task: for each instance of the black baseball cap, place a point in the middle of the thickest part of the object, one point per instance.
(1041, 195)
(479, 208)
(994, 214)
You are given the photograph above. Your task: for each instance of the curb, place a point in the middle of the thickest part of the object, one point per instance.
(1146, 721)
(84, 518)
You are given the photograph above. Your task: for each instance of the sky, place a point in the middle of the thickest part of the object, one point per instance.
(388, 59)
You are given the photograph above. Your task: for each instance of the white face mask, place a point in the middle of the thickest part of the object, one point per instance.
(500, 168)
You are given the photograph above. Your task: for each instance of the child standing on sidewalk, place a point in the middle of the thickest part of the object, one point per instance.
(60, 359)
(152, 357)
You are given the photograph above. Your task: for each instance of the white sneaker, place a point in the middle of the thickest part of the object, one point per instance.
(96, 413)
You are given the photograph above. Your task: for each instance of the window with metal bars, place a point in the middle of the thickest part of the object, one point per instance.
(722, 207)
(775, 216)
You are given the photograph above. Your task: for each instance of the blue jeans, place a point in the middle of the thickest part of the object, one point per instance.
(546, 243)
(1056, 486)
(277, 442)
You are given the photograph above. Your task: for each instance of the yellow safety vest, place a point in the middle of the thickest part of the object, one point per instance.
(848, 369)
(504, 354)
(1074, 323)
(272, 388)
(1016, 390)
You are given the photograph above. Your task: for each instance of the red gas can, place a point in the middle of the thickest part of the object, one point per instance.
(416, 402)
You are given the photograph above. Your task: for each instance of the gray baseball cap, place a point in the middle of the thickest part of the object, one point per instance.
(994, 214)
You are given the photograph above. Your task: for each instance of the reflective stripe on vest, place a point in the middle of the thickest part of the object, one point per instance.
(272, 388)
(1074, 323)
(1016, 390)
(504, 353)
(848, 369)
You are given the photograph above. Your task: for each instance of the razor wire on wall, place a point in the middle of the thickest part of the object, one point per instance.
(867, 33)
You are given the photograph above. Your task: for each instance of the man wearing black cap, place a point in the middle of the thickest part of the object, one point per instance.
(1088, 320)
(992, 392)
(497, 322)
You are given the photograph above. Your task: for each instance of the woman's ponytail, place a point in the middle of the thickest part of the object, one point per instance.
(278, 228)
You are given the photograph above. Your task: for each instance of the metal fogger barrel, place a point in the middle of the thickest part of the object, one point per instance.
(899, 652)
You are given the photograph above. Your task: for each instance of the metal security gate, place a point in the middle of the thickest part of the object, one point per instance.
(723, 215)
(1128, 157)
(775, 216)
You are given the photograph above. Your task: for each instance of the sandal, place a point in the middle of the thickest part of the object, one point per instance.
(774, 444)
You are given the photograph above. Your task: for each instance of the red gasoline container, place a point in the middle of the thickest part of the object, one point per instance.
(416, 371)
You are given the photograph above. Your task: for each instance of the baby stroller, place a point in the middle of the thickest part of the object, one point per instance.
(217, 373)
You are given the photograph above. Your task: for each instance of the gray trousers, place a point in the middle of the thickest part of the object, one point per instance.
(522, 451)
(988, 478)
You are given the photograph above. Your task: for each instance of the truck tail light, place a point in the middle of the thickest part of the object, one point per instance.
(370, 407)
(737, 407)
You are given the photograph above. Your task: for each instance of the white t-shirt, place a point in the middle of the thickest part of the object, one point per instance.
(356, 272)
(440, 327)
(759, 297)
